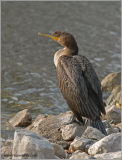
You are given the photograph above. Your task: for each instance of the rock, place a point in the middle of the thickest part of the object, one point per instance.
(111, 87)
(88, 146)
(111, 81)
(2, 141)
(113, 114)
(79, 144)
(38, 120)
(6, 149)
(64, 144)
(110, 143)
(21, 119)
(93, 133)
(119, 126)
(28, 144)
(69, 132)
(115, 97)
(59, 151)
(112, 130)
(110, 155)
(117, 101)
(66, 117)
(80, 155)
(50, 127)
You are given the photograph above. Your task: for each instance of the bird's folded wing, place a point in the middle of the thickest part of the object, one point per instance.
(92, 81)
(74, 88)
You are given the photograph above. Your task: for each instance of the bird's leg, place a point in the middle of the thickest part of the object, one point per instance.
(82, 120)
(79, 122)
(85, 121)
(75, 119)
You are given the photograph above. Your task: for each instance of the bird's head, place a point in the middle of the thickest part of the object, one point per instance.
(63, 38)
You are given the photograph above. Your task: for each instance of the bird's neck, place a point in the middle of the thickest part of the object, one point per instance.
(64, 51)
(70, 51)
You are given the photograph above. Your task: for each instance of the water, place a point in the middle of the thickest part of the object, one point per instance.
(28, 73)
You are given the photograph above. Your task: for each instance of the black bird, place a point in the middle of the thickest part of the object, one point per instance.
(78, 81)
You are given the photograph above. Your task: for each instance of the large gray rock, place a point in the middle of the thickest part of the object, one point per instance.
(93, 133)
(110, 155)
(51, 126)
(80, 144)
(21, 119)
(110, 143)
(80, 155)
(59, 151)
(28, 144)
(69, 132)
(113, 114)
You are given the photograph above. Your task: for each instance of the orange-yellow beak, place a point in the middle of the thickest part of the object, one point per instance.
(46, 35)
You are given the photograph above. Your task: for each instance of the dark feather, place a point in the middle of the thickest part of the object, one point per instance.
(92, 82)
(80, 86)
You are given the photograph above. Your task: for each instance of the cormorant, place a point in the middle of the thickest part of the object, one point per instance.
(78, 81)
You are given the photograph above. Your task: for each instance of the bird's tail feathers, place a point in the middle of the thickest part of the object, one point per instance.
(99, 125)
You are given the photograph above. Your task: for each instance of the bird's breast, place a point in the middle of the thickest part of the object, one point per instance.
(57, 55)
(56, 59)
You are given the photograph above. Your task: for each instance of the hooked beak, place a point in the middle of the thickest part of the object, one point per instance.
(46, 35)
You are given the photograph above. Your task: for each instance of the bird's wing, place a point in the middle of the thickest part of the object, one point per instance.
(92, 82)
(74, 88)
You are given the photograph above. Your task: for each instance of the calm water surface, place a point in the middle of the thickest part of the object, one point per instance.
(28, 73)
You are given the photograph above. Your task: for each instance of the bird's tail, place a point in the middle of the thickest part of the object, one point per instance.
(99, 125)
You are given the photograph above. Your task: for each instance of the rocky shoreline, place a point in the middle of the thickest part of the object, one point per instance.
(49, 137)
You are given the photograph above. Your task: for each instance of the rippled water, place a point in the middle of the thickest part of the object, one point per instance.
(28, 73)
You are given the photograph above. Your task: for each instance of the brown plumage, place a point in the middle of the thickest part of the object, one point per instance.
(78, 81)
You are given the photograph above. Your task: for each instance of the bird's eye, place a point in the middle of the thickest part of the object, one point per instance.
(57, 33)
